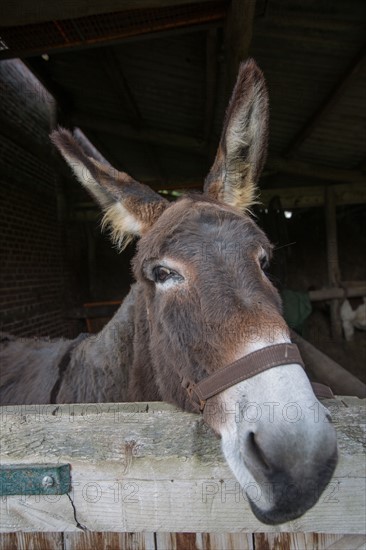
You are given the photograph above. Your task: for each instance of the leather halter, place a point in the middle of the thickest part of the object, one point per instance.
(246, 367)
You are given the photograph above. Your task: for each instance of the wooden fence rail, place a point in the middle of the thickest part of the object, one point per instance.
(144, 471)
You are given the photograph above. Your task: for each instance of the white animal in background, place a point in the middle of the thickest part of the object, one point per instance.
(353, 318)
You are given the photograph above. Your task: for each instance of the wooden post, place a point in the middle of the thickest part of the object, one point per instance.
(356, 291)
(238, 36)
(332, 260)
(327, 371)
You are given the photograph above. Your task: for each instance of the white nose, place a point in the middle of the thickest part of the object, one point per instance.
(286, 445)
(292, 464)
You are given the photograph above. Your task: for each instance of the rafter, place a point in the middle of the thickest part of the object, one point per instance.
(299, 168)
(291, 197)
(328, 103)
(123, 130)
(23, 12)
(314, 195)
(107, 29)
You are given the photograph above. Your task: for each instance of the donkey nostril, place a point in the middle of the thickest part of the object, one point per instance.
(257, 452)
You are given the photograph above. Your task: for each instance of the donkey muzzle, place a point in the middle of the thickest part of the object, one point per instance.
(291, 462)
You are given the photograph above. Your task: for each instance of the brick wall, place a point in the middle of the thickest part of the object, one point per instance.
(39, 276)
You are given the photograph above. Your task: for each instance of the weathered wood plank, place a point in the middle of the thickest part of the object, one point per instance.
(180, 541)
(149, 467)
(31, 541)
(109, 541)
(37, 513)
(308, 541)
(202, 541)
(356, 291)
(322, 367)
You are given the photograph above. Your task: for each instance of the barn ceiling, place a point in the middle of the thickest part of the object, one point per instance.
(147, 81)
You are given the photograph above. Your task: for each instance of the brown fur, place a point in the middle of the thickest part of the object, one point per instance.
(160, 337)
(201, 300)
(198, 328)
(243, 146)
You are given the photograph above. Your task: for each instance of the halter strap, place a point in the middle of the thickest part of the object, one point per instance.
(246, 367)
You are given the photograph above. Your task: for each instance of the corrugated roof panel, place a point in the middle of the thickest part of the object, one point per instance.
(167, 79)
(303, 52)
(302, 48)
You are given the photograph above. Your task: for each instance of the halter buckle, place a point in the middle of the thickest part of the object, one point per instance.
(201, 403)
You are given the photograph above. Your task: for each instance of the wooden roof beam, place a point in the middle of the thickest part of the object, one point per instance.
(67, 35)
(238, 36)
(284, 20)
(180, 185)
(327, 104)
(24, 12)
(314, 195)
(123, 130)
(291, 197)
(299, 168)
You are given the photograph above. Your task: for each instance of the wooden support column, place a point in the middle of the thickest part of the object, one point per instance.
(332, 260)
(238, 35)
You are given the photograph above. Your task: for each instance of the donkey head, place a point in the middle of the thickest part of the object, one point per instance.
(206, 302)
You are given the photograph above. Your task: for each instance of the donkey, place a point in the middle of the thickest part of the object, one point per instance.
(201, 301)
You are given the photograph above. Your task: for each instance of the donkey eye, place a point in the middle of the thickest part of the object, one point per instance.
(162, 274)
(264, 263)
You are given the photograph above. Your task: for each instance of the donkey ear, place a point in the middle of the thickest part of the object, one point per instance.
(130, 208)
(242, 149)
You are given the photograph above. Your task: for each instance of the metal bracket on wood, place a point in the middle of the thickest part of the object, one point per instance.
(35, 479)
